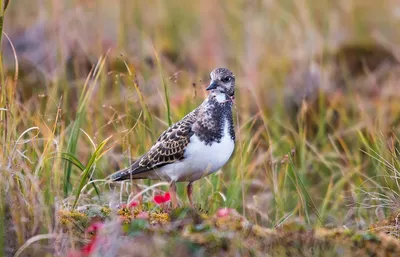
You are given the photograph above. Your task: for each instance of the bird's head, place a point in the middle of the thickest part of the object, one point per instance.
(222, 85)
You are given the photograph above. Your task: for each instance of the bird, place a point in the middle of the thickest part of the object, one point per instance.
(196, 146)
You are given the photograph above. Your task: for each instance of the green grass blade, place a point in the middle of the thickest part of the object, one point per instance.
(305, 195)
(73, 139)
(89, 167)
(77, 163)
(166, 94)
(73, 159)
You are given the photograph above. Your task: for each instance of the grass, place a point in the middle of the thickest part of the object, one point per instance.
(332, 163)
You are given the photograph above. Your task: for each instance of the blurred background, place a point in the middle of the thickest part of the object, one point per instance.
(317, 103)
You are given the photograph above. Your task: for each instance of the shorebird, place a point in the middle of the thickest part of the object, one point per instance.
(194, 147)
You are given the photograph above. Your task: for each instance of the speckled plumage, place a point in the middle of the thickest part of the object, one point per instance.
(205, 122)
(180, 152)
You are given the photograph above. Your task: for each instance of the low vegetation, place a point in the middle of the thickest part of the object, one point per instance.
(87, 87)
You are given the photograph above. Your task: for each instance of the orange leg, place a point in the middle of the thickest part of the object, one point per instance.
(172, 192)
(189, 191)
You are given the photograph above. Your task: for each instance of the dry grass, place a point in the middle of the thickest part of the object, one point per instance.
(94, 83)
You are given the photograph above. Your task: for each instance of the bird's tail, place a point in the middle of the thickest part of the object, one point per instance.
(121, 175)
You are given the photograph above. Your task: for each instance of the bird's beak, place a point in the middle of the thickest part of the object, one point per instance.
(213, 85)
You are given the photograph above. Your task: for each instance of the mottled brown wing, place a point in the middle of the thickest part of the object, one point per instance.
(169, 148)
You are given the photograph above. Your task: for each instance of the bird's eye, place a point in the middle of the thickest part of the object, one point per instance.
(226, 79)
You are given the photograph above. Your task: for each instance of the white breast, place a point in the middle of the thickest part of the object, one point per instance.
(220, 97)
(200, 159)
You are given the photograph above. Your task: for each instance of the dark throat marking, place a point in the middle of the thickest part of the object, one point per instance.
(210, 125)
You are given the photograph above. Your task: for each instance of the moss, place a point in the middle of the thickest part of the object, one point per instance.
(232, 233)
(389, 226)
(73, 219)
(106, 211)
(125, 215)
(96, 212)
(159, 218)
(196, 216)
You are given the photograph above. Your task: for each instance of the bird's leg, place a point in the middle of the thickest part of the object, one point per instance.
(172, 191)
(189, 190)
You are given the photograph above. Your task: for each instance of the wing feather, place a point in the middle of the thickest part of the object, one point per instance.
(169, 148)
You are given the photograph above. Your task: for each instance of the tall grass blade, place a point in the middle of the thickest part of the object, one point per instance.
(73, 159)
(143, 104)
(89, 167)
(75, 131)
(305, 195)
(166, 94)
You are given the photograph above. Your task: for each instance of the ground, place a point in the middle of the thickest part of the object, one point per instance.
(87, 86)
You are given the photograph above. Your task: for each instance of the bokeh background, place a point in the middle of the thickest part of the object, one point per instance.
(317, 104)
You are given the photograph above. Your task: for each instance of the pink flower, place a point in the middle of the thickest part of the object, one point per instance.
(94, 227)
(143, 215)
(88, 249)
(85, 251)
(129, 205)
(75, 253)
(123, 219)
(223, 212)
(159, 199)
(133, 204)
